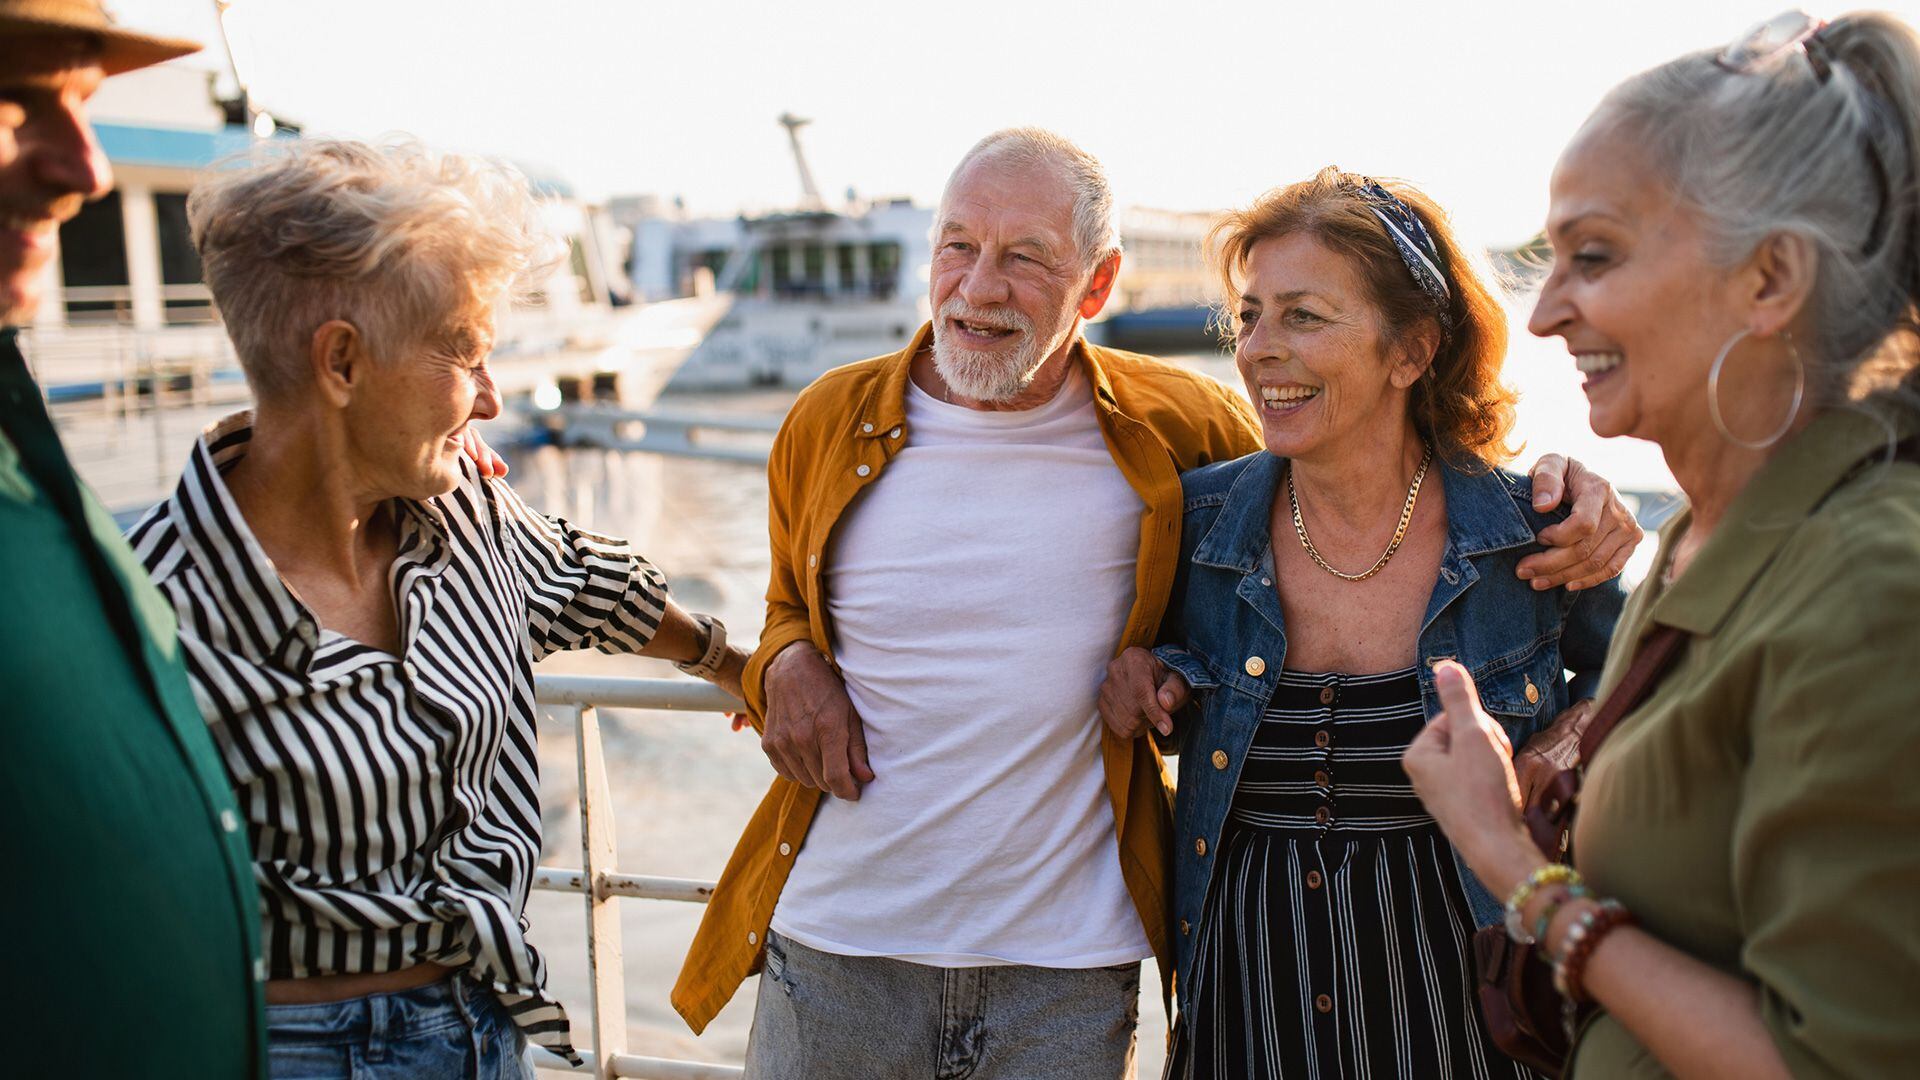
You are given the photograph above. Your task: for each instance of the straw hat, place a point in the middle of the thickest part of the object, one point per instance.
(120, 50)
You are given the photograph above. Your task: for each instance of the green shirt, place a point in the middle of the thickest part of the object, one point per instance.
(1760, 810)
(129, 909)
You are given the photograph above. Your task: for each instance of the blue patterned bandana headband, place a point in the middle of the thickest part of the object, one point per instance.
(1411, 239)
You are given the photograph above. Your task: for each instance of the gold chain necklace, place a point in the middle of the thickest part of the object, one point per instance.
(1399, 534)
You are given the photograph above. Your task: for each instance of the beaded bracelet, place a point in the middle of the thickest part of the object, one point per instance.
(1575, 891)
(1547, 874)
(1582, 938)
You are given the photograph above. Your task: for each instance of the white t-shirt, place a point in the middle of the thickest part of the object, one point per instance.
(976, 591)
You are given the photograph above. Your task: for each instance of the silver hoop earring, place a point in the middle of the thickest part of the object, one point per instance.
(1793, 410)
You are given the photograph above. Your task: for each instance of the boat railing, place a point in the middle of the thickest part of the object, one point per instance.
(599, 877)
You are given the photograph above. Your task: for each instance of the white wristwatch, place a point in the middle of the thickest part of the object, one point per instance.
(708, 665)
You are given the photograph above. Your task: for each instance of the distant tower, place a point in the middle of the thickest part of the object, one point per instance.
(809, 191)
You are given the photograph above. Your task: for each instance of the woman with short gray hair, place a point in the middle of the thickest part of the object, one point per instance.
(1737, 272)
(360, 609)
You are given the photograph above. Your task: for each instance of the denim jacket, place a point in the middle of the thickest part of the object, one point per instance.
(1519, 643)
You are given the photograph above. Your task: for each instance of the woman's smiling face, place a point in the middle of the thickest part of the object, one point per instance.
(1316, 355)
(1631, 291)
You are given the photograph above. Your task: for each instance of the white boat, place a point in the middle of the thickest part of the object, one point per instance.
(814, 287)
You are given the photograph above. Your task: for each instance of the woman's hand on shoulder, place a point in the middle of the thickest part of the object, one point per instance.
(1140, 692)
(489, 463)
(1597, 538)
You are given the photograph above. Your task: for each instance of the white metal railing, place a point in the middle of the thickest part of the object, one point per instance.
(599, 878)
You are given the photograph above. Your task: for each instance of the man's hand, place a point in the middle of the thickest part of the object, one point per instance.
(491, 465)
(1140, 691)
(1552, 749)
(813, 736)
(1593, 544)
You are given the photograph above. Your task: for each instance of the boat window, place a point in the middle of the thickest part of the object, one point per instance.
(93, 264)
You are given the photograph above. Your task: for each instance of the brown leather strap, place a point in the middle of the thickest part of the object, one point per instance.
(1650, 664)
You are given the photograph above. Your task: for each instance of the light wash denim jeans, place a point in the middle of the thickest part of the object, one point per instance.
(452, 1030)
(820, 1016)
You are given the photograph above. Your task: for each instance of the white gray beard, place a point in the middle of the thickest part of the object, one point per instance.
(987, 376)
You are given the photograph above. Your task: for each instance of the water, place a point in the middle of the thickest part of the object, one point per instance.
(684, 786)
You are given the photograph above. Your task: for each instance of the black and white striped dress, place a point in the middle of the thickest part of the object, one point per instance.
(1336, 939)
(393, 802)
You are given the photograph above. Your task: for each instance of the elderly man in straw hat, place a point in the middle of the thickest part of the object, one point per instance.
(130, 909)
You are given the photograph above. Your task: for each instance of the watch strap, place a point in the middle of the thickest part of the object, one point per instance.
(708, 665)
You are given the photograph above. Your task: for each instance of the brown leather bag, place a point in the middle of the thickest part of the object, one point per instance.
(1525, 1016)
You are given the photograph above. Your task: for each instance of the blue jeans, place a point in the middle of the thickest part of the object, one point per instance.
(821, 1016)
(452, 1030)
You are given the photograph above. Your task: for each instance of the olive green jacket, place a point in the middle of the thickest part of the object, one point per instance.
(1760, 810)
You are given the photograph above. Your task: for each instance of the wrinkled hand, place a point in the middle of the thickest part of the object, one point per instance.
(1552, 749)
(491, 465)
(1462, 769)
(1594, 543)
(1140, 691)
(813, 736)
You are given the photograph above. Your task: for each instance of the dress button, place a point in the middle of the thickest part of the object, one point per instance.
(1323, 1003)
(1185, 927)
(1322, 738)
(1219, 759)
(1321, 779)
(753, 938)
(863, 470)
(1313, 879)
(1256, 667)
(786, 848)
(866, 427)
(1200, 846)
(1533, 693)
(1322, 815)
(1326, 695)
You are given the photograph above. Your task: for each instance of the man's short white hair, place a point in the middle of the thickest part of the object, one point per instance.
(398, 240)
(1095, 232)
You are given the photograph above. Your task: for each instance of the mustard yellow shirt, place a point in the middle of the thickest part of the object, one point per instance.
(1761, 810)
(1159, 420)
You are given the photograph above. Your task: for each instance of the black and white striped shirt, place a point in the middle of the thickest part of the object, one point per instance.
(393, 802)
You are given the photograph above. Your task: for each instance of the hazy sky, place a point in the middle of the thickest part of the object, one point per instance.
(1192, 104)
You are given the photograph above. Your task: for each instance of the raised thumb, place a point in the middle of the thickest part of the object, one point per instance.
(1457, 693)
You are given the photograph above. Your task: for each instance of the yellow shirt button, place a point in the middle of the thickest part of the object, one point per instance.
(1533, 693)
(753, 938)
(1219, 759)
(786, 849)
(864, 470)
(1256, 667)
(1200, 846)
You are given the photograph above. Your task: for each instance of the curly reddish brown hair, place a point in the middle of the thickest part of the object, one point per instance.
(1460, 406)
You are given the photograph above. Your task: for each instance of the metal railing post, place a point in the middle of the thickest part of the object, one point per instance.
(600, 855)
